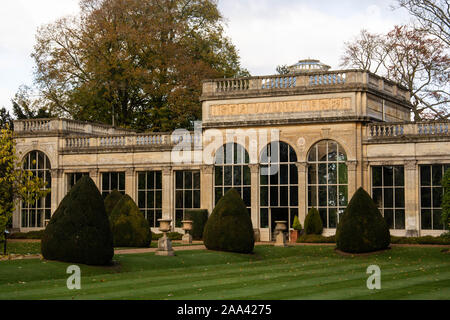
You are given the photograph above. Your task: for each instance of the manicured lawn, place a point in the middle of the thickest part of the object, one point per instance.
(301, 272)
(35, 247)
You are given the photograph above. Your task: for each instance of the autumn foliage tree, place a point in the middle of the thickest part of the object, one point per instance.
(16, 183)
(134, 63)
(411, 57)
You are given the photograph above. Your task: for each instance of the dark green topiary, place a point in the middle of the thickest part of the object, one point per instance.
(229, 228)
(111, 200)
(199, 218)
(79, 229)
(362, 227)
(128, 225)
(313, 222)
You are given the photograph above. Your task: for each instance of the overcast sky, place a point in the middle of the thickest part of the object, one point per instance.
(267, 33)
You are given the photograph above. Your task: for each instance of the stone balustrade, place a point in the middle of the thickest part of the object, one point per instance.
(219, 87)
(391, 130)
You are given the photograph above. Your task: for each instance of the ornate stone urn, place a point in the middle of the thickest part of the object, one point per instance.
(187, 227)
(280, 228)
(164, 244)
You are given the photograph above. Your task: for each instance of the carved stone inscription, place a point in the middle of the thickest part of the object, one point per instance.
(281, 106)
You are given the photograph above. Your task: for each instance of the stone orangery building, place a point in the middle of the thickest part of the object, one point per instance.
(285, 142)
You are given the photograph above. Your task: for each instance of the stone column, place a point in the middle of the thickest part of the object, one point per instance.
(130, 183)
(365, 176)
(57, 188)
(302, 190)
(95, 176)
(166, 194)
(352, 177)
(411, 201)
(254, 171)
(207, 187)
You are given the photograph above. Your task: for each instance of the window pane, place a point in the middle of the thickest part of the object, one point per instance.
(284, 152)
(141, 180)
(377, 176)
(294, 196)
(237, 175)
(158, 199)
(274, 196)
(263, 178)
(188, 180)
(343, 197)
(437, 219)
(114, 181)
(292, 155)
(332, 151)
(312, 196)
(158, 180)
(322, 173)
(150, 199)
(425, 175)
(179, 199)
(196, 180)
(322, 196)
(264, 218)
(105, 181)
(178, 218)
(264, 196)
(322, 151)
(323, 216)
(284, 196)
(437, 174)
(332, 196)
(196, 198)
(399, 219)
(399, 176)
(179, 179)
(343, 178)
(284, 174)
(247, 196)
(312, 174)
(293, 174)
(332, 216)
(425, 218)
(228, 175)
(247, 176)
(388, 176)
(141, 199)
(151, 180)
(218, 176)
(437, 197)
(399, 198)
(274, 174)
(388, 198)
(312, 154)
(425, 196)
(188, 199)
(217, 194)
(389, 218)
(121, 181)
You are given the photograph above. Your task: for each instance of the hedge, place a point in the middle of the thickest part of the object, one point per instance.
(199, 218)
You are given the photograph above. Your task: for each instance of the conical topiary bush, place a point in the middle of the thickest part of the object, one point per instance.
(128, 225)
(111, 200)
(313, 222)
(362, 228)
(79, 229)
(229, 228)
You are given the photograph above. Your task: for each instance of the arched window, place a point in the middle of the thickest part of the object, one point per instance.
(327, 181)
(278, 185)
(34, 215)
(231, 170)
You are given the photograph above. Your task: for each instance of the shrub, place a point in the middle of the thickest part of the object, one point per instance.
(442, 239)
(315, 238)
(199, 218)
(229, 228)
(111, 200)
(361, 227)
(446, 199)
(27, 235)
(128, 225)
(170, 235)
(79, 229)
(313, 222)
(296, 225)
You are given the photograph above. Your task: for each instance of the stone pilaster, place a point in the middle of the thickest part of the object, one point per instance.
(302, 168)
(95, 176)
(254, 171)
(166, 194)
(365, 176)
(57, 189)
(130, 183)
(207, 187)
(352, 177)
(411, 201)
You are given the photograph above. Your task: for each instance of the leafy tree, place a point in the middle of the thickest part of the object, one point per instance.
(133, 63)
(26, 107)
(283, 69)
(446, 200)
(410, 57)
(433, 16)
(5, 119)
(16, 184)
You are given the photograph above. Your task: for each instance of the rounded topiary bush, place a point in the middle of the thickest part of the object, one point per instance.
(313, 222)
(229, 228)
(79, 229)
(128, 225)
(111, 200)
(362, 228)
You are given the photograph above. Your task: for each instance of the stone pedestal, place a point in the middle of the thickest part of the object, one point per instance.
(164, 244)
(186, 239)
(187, 227)
(280, 238)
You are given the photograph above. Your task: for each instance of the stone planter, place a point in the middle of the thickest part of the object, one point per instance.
(280, 228)
(187, 227)
(164, 244)
(293, 236)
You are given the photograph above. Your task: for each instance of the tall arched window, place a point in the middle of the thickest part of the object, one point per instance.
(34, 215)
(231, 170)
(327, 181)
(278, 185)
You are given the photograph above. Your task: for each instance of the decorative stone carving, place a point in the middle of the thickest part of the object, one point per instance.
(351, 165)
(93, 173)
(410, 164)
(208, 168)
(254, 167)
(301, 166)
(280, 239)
(57, 173)
(129, 171)
(164, 243)
(166, 171)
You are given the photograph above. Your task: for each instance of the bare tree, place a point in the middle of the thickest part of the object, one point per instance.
(410, 57)
(433, 15)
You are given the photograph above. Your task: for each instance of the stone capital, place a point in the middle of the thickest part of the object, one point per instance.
(129, 171)
(301, 166)
(208, 168)
(166, 170)
(254, 167)
(351, 165)
(410, 164)
(57, 173)
(93, 173)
